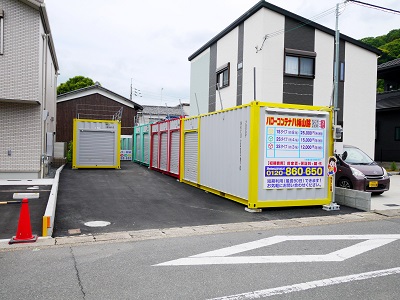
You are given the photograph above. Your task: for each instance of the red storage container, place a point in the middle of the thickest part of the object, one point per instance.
(165, 147)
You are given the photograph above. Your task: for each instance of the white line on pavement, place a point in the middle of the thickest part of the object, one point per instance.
(309, 285)
(223, 256)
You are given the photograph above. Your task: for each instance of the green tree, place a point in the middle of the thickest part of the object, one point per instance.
(380, 86)
(73, 84)
(389, 44)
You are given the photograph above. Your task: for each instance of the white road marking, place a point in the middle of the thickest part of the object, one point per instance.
(27, 182)
(309, 285)
(222, 256)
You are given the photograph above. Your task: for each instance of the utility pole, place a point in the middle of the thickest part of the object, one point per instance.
(336, 68)
(158, 109)
(131, 90)
(333, 205)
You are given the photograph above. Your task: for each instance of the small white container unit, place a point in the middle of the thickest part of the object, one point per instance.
(260, 154)
(126, 147)
(165, 147)
(96, 144)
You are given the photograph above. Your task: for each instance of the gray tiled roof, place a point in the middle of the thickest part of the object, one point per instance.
(390, 64)
(162, 110)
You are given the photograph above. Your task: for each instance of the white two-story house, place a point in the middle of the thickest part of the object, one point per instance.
(272, 55)
(28, 81)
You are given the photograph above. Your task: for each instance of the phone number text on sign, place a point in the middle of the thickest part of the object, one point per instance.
(296, 182)
(282, 171)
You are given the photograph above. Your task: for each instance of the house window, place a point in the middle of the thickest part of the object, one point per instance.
(223, 76)
(299, 63)
(1, 32)
(397, 134)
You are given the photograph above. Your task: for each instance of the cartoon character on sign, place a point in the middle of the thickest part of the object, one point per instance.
(332, 166)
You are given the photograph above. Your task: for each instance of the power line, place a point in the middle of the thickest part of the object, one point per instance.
(311, 20)
(381, 8)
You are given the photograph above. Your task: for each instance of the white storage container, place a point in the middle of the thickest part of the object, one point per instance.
(260, 154)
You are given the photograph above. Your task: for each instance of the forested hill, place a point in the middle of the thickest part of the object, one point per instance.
(389, 44)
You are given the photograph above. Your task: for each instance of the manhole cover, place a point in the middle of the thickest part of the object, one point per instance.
(97, 223)
(391, 205)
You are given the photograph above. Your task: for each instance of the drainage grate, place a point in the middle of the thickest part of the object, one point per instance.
(391, 205)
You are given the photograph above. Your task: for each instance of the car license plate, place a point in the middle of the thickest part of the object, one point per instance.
(373, 184)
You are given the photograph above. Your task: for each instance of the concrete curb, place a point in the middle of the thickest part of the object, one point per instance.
(152, 234)
(50, 212)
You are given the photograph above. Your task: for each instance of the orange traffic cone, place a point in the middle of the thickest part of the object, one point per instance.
(24, 231)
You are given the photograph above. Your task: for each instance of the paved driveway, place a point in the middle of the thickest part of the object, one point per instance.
(388, 200)
(136, 198)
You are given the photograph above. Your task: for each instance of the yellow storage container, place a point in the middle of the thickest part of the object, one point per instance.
(96, 144)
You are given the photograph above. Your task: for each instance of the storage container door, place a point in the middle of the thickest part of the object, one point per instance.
(191, 156)
(96, 148)
(164, 151)
(174, 157)
(138, 148)
(154, 158)
(146, 148)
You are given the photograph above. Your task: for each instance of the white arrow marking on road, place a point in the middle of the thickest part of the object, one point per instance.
(309, 285)
(221, 256)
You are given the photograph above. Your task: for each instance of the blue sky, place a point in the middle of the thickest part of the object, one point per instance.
(149, 41)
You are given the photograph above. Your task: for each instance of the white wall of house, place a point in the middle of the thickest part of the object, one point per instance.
(323, 82)
(199, 83)
(227, 52)
(360, 99)
(19, 78)
(20, 133)
(268, 61)
(49, 85)
(28, 73)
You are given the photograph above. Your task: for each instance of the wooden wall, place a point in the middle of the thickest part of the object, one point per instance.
(67, 111)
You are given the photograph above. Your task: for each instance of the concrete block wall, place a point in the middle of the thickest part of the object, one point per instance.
(353, 198)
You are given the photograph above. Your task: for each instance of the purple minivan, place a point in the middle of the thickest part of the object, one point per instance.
(356, 170)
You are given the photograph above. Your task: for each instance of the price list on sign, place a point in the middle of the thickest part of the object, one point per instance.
(294, 152)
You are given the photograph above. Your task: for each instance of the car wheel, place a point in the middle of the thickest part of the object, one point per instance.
(345, 183)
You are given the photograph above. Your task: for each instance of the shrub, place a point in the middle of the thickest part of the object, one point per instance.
(69, 152)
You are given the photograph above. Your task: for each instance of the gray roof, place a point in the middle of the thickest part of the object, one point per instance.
(388, 100)
(263, 4)
(72, 94)
(389, 64)
(163, 110)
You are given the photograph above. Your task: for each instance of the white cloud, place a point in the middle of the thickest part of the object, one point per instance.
(150, 41)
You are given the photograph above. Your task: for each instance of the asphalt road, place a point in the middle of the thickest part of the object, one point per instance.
(136, 198)
(132, 270)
